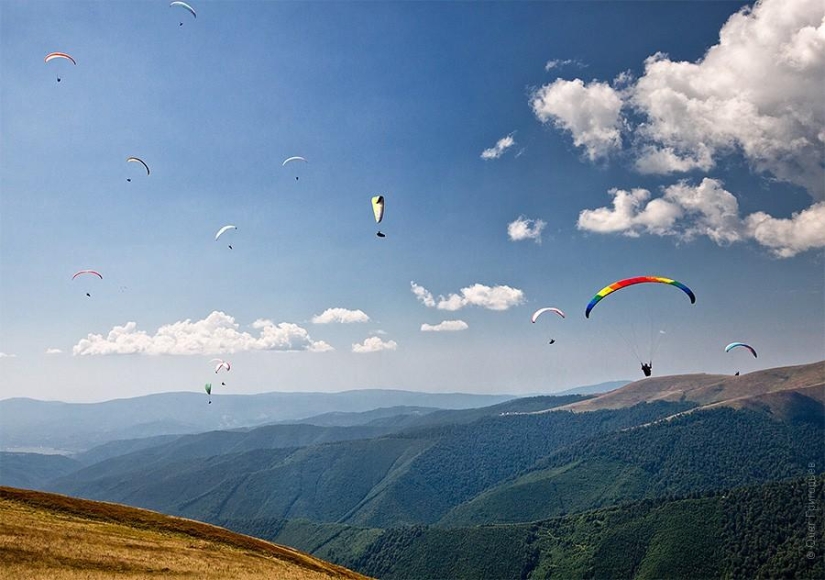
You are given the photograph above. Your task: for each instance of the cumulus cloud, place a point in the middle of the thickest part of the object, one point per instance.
(217, 333)
(341, 315)
(787, 237)
(374, 344)
(525, 229)
(590, 112)
(756, 92)
(53, 351)
(499, 148)
(708, 209)
(491, 298)
(445, 326)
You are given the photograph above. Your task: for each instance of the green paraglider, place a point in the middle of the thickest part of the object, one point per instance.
(208, 388)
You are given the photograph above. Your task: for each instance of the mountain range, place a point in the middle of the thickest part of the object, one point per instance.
(377, 490)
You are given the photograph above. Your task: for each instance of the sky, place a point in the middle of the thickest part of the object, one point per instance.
(529, 154)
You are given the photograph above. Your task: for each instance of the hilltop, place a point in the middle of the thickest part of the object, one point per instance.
(89, 539)
(776, 390)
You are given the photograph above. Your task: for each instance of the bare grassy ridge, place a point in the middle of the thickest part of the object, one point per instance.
(714, 390)
(45, 535)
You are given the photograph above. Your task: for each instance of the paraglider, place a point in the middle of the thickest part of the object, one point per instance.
(378, 211)
(208, 388)
(59, 55)
(733, 345)
(222, 364)
(223, 230)
(630, 330)
(137, 160)
(186, 7)
(90, 272)
(291, 159)
(607, 290)
(541, 311)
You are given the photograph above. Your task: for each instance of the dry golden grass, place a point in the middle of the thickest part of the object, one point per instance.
(711, 390)
(56, 537)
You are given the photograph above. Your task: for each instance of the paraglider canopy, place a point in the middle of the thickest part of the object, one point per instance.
(222, 364)
(224, 229)
(541, 311)
(185, 6)
(733, 345)
(607, 290)
(378, 208)
(138, 160)
(92, 272)
(54, 55)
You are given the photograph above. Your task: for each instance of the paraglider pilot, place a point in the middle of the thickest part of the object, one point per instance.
(647, 368)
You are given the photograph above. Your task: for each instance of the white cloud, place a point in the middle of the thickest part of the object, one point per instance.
(491, 298)
(525, 229)
(499, 148)
(757, 92)
(217, 333)
(374, 344)
(630, 214)
(53, 351)
(6, 355)
(787, 237)
(687, 212)
(424, 296)
(559, 62)
(591, 113)
(341, 315)
(445, 326)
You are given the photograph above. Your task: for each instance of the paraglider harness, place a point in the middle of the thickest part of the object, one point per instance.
(647, 368)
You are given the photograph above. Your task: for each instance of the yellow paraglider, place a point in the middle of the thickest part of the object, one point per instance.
(378, 211)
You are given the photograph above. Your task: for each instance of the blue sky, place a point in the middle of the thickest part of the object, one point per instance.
(703, 164)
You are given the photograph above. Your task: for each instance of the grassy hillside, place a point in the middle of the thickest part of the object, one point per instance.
(59, 538)
(710, 389)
